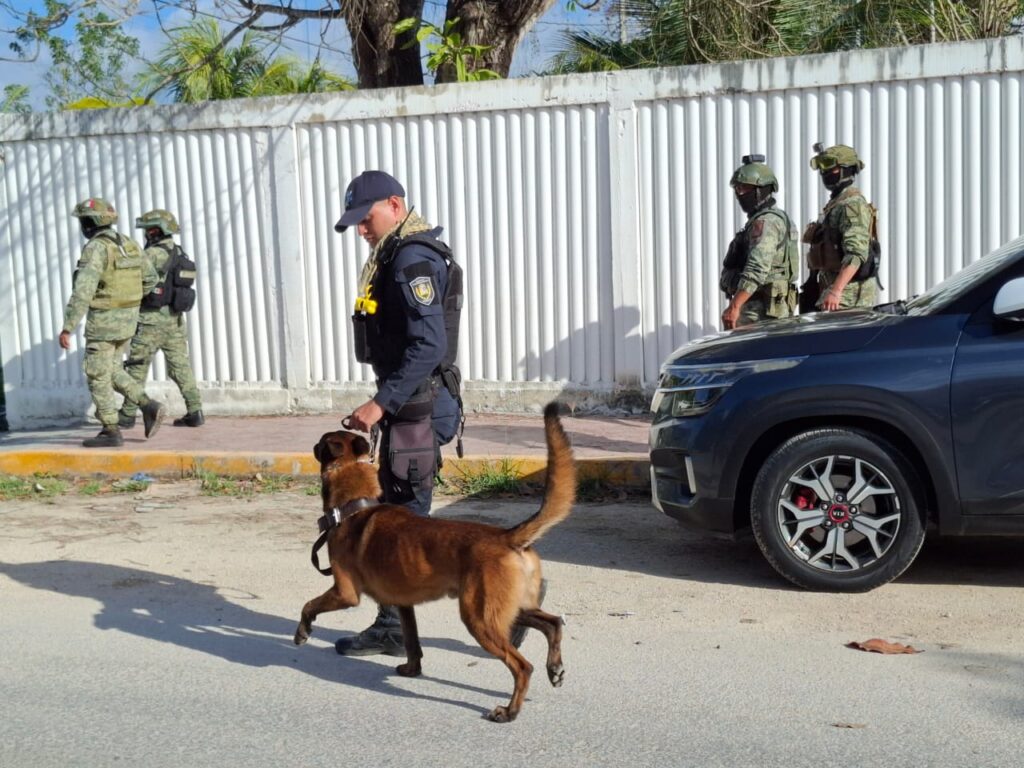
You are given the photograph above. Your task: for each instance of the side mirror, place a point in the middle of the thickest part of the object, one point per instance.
(1009, 301)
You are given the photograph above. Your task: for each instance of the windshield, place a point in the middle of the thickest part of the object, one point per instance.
(956, 285)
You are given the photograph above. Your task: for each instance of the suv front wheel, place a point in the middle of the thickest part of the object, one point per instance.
(837, 509)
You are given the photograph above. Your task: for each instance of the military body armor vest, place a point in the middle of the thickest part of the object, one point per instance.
(826, 243)
(120, 286)
(739, 252)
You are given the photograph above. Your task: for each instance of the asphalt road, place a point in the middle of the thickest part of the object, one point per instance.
(156, 631)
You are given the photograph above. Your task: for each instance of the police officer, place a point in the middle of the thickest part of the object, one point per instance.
(843, 242)
(406, 324)
(162, 318)
(110, 281)
(757, 275)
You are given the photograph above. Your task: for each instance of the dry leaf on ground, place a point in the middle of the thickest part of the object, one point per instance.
(878, 645)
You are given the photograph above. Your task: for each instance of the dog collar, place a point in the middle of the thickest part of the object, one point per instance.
(333, 518)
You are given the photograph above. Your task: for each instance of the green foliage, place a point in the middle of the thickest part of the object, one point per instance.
(680, 32)
(15, 101)
(92, 63)
(194, 66)
(446, 49)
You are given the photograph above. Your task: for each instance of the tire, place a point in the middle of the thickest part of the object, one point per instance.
(837, 510)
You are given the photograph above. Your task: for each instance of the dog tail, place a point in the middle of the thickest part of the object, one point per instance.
(559, 488)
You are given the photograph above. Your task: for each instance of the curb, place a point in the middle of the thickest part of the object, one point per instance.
(627, 471)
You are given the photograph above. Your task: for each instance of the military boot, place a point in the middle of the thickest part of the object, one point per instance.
(109, 437)
(124, 421)
(194, 419)
(383, 636)
(152, 415)
(518, 633)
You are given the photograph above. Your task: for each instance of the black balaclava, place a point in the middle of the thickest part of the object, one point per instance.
(90, 227)
(154, 235)
(755, 200)
(838, 178)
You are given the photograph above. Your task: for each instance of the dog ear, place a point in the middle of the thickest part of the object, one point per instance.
(360, 446)
(316, 450)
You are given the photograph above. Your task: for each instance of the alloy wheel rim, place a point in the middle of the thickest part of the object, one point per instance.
(838, 514)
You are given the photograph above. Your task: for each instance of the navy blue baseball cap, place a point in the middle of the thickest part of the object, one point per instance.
(363, 191)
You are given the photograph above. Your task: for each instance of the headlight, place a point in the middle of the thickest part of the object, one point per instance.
(690, 390)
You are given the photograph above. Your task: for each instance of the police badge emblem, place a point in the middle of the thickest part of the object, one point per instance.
(348, 199)
(422, 290)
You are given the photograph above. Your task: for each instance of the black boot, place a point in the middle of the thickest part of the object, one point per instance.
(109, 437)
(518, 633)
(152, 415)
(194, 419)
(124, 421)
(383, 636)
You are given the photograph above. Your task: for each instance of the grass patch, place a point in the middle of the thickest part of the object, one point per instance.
(212, 484)
(129, 486)
(494, 479)
(90, 488)
(39, 485)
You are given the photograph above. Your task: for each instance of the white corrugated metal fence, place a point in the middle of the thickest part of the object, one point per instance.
(590, 213)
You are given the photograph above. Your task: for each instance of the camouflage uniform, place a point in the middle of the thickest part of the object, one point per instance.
(847, 220)
(111, 278)
(844, 236)
(763, 257)
(162, 330)
(772, 262)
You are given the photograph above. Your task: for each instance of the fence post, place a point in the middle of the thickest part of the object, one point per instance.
(625, 237)
(286, 242)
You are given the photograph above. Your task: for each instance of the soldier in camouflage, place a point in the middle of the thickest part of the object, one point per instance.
(109, 283)
(843, 242)
(762, 261)
(161, 328)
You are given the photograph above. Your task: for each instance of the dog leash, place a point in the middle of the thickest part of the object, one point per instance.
(331, 520)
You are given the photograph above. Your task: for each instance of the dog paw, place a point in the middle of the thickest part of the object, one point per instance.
(301, 635)
(500, 715)
(409, 669)
(556, 674)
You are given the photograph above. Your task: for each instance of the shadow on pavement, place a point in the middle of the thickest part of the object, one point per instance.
(634, 536)
(200, 617)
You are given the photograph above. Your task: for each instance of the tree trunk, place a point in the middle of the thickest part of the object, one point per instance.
(379, 58)
(497, 23)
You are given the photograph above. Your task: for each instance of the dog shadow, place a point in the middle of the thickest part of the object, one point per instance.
(213, 620)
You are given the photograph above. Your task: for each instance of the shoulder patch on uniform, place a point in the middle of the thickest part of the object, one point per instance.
(757, 229)
(422, 290)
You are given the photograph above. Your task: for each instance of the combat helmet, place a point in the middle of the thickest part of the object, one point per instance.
(96, 208)
(158, 219)
(840, 154)
(754, 172)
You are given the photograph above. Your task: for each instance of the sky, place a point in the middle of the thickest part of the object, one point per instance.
(152, 16)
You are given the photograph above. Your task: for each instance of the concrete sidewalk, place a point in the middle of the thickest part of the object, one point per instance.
(607, 448)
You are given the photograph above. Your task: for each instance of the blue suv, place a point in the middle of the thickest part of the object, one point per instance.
(838, 438)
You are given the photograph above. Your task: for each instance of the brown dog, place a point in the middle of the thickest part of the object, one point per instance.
(400, 559)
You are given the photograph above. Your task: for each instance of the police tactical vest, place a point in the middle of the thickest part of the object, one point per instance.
(120, 285)
(376, 339)
(175, 288)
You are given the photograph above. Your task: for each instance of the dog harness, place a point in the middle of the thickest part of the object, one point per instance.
(331, 520)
